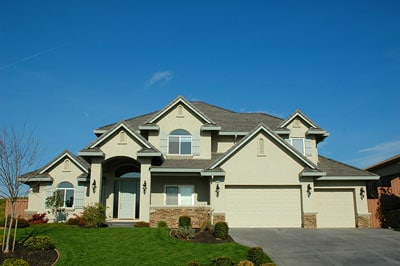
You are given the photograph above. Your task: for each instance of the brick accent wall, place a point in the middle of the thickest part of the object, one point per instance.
(309, 220)
(218, 217)
(170, 215)
(363, 221)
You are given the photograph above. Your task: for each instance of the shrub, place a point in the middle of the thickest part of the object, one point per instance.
(255, 255)
(185, 232)
(193, 263)
(94, 215)
(222, 261)
(22, 223)
(221, 230)
(14, 262)
(206, 226)
(142, 224)
(76, 220)
(38, 218)
(39, 243)
(162, 224)
(246, 263)
(185, 221)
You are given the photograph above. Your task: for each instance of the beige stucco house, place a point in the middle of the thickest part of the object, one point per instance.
(248, 169)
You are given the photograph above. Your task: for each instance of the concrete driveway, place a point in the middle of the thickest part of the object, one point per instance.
(324, 246)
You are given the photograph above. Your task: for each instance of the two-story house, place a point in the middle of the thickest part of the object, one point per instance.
(196, 159)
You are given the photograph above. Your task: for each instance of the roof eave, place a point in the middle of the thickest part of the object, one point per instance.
(349, 178)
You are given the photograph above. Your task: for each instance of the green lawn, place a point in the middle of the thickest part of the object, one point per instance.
(129, 246)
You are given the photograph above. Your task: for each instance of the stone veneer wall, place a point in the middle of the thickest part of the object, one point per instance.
(218, 217)
(363, 221)
(170, 215)
(309, 220)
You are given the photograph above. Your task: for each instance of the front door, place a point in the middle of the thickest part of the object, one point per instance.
(127, 199)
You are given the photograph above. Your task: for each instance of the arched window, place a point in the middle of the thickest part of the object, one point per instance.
(180, 142)
(67, 191)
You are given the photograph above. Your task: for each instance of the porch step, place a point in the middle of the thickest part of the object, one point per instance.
(120, 224)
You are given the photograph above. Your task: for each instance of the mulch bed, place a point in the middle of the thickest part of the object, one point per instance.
(33, 257)
(206, 237)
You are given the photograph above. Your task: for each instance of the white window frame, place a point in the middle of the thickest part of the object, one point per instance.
(180, 137)
(179, 194)
(65, 195)
(304, 152)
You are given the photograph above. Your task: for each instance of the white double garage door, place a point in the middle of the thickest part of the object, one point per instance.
(280, 206)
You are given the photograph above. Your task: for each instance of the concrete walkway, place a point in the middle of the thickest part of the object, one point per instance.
(310, 247)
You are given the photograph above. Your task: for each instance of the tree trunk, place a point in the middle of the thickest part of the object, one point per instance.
(10, 226)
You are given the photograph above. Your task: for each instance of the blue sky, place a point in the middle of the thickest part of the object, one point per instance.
(68, 67)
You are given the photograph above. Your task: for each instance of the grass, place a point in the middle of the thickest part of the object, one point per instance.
(129, 246)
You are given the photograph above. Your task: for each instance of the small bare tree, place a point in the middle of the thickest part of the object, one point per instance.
(18, 154)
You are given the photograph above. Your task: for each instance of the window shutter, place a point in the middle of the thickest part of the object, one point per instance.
(79, 194)
(196, 143)
(308, 148)
(163, 142)
(49, 193)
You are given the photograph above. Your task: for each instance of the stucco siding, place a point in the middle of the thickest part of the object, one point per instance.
(114, 147)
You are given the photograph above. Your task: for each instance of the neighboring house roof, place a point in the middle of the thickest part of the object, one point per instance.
(391, 160)
(339, 171)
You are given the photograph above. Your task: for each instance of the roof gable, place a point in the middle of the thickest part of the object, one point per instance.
(184, 102)
(262, 128)
(142, 141)
(81, 164)
(298, 114)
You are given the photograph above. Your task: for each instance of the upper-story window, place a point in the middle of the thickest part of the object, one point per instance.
(180, 142)
(302, 145)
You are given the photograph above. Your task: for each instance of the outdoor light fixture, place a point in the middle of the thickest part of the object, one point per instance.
(144, 187)
(217, 190)
(94, 186)
(362, 193)
(309, 190)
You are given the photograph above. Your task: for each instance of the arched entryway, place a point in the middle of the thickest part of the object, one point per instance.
(121, 189)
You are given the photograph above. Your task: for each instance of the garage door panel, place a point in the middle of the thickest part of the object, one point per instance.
(335, 208)
(263, 207)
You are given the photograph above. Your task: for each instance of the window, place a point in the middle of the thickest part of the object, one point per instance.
(302, 145)
(66, 190)
(180, 142)
(179, 195)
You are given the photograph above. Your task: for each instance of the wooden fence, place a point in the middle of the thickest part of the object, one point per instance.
(21, 206)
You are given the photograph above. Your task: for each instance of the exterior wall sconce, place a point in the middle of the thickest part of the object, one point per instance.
(94, 186)
(362, 193)
(217, 190)
(309, 189)
(144, 187)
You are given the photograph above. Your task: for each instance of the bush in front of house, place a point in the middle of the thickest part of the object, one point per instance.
(246, 263)
(185, 232)
(222, 261)
(94, 215)
(14, 262)
(193, 263)
(39, 243)
(162, 224)
(38, 218)
(22, 223)
(185, 221)
(142, 224)
(255, 255)
(76, 220)
(221, 230)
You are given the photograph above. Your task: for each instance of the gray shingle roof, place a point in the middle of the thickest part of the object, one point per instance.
(229, 121)
(335, 168)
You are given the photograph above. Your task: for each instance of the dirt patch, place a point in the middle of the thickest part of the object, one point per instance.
(209, 238)
(33, 257)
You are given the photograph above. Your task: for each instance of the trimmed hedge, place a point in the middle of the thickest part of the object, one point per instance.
(185, 221)
(14, 262)
(39, 243)
(221, 230)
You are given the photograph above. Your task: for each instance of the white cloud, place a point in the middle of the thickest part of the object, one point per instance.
(377, 153)
(159, 77)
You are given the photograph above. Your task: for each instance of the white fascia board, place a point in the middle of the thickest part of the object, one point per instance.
(121, 125)
(317, 132)
(233, 133)
(90, 153)
(149, 127)
(33, 179)
(59, 158)
(211, 128)
(212, 173)
(175, 170)
(344, 178)
(83, 179)
(99, 131)
(305, 174)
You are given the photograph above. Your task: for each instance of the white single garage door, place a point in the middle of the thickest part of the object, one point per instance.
(335, 208)
(256, 206)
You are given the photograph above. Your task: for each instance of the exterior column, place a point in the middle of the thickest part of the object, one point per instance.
(308, 208)
(145, 176)
(96, 174)
(216, 199)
